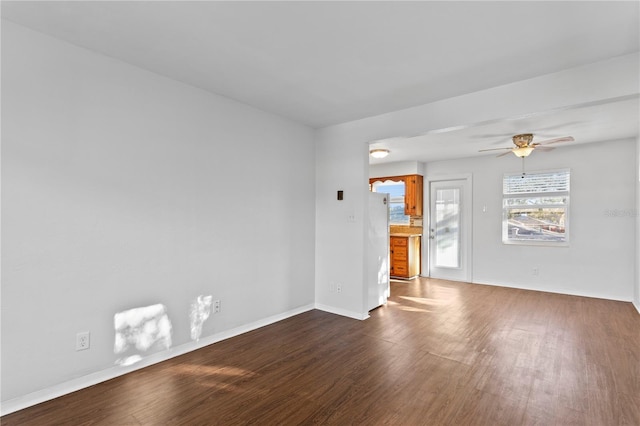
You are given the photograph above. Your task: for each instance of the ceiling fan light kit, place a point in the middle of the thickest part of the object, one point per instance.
(523, 151)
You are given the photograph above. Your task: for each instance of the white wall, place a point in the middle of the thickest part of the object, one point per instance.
(342, 151)
(600, 259)
(398, 168)
(121, 189)
(637, 211)
(341, 165)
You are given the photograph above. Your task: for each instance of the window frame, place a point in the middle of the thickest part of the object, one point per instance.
(566, 194)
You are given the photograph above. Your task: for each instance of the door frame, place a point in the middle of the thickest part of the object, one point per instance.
(467, 222)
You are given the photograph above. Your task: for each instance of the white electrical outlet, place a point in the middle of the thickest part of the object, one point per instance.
(83, 340)
(339, 288)
(536, 272)
(216, 306)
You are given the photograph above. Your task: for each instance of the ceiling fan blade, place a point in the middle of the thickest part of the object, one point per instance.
(504, 153)
(494, 149)
(544, 148)
(556, 140)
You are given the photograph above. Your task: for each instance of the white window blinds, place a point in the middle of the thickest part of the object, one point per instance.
(541, 183)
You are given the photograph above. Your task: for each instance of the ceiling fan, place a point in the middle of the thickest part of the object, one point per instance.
(524, 145)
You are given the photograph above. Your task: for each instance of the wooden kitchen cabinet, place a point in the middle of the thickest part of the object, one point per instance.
(413, 191)
(413, 195)
(405, 256)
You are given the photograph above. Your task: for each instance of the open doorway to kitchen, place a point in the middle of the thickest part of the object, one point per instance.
(405, 230)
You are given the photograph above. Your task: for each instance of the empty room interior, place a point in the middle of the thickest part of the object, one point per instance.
(407, 213)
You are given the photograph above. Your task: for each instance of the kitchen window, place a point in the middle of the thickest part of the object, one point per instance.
(535, 208)
(396, 192)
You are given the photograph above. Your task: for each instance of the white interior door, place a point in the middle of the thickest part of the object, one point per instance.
(450, 229)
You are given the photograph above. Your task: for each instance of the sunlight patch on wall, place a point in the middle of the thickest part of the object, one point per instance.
(140, 329)
(198, 314)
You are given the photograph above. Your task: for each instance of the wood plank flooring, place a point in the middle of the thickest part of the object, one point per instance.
(440, 353)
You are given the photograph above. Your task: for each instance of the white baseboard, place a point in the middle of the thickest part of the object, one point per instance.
(555, 291)
(73, 385)
(343, 312)
(637, 306)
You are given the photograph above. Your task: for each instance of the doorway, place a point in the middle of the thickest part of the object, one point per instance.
(449, 228)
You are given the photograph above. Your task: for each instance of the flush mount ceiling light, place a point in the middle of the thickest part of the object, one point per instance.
(379, 153)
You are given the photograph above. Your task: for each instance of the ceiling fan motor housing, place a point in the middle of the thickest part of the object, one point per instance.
(523, 140)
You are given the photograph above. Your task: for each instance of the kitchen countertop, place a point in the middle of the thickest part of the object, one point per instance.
(404, 234)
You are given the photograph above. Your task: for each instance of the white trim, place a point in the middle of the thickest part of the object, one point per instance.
(636, 306)
(556, 291)
(79, 383)
(342, 312)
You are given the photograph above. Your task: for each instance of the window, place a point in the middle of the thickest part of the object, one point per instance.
(535, 208)
(396, 200)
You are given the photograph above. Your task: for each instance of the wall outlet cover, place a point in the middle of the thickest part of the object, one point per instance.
(83, 340)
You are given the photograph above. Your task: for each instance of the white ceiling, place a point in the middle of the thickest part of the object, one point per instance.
(608, 121)
(323, 63)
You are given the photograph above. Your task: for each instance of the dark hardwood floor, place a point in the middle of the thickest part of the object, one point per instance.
(440, 353)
